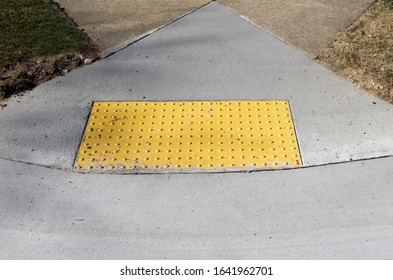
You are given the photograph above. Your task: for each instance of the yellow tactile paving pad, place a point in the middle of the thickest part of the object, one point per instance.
(206, 136)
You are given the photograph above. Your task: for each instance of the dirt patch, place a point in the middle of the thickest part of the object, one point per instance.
(24, 76)
(38, 42)
(364, 52)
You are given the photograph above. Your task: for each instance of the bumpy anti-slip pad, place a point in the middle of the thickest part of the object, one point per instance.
(189, 136)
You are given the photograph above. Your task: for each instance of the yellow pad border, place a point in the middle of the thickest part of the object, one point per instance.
(160, 137)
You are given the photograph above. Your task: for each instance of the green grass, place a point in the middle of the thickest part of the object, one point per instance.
(389, 3)
(31, 28)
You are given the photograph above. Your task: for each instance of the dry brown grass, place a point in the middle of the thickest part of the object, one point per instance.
(364, 52)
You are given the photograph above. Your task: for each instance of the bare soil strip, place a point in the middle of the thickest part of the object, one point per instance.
(364, 52)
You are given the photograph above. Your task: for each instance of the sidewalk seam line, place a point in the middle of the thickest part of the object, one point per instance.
(111, 51)
(83, 134)
(249, 20)
(73, 170)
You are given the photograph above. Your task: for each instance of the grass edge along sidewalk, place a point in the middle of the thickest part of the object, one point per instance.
(39, 41)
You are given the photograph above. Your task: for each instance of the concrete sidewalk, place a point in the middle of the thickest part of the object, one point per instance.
(212, 54)
(309, 25)
(334, 211)
(112, 24)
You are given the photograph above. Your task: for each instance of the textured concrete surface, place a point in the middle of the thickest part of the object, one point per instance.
(211, 54)
(342, 211)
(309, 25)
(112, 24)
